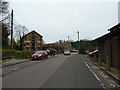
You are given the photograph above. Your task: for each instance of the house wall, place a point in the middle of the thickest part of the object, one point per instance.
(109, 49)
(116, 51)
(101, 51)
(32, 41)
(38, 42)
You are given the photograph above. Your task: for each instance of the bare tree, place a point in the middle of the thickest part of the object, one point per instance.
(20, 31)
(5, 16)
(4, 22)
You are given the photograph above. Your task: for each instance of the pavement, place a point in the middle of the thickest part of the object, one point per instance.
(13, 62)
(115, 73)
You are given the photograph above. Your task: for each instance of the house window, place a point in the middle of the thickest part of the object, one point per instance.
(33, 36)
(38, 47)
(33, 48)
(27, 47)
(33, 41)
(25, 38)
(27, 43)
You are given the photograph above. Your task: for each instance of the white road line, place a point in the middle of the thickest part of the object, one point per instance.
(94, 74)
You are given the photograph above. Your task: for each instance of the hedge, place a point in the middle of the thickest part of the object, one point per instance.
(9, 54)
(23, 54)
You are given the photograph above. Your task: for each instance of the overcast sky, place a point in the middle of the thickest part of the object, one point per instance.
(58, 20)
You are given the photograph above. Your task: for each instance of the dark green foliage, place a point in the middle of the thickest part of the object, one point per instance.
(58, 48)
(74, 45)
(23, 54)
(16, 46)
(9, 54)
(84, 45)
(5, 34)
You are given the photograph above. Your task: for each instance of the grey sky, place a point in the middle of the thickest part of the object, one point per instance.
(58, 20)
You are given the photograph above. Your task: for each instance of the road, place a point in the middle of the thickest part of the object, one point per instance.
(56, 72)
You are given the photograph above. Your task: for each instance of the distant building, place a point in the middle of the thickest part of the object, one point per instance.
(64, 45)
(32, 41)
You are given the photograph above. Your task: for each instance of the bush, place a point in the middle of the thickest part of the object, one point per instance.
(9, 54)
(18, 54)
(23, 54)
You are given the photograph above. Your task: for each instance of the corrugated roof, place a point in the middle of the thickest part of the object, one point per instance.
(115, 29)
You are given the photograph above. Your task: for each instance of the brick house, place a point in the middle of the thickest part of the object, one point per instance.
(32, 41)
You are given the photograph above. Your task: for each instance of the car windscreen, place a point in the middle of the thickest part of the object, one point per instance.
(40, 52)
(67, 51)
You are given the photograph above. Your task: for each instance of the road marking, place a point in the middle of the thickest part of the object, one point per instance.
(95, 75)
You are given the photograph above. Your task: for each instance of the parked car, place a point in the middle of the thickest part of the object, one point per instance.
(40, 55)
(75, 51)
(67, 52)
(92, 53)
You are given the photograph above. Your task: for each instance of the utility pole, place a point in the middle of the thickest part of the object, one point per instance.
(68, 42)
(68, 38)
(78, 42)
(11, 29)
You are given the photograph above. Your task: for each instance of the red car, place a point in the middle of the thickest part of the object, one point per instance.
(40, 55)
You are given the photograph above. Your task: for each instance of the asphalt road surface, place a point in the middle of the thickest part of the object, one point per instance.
(56, 72)
(73, 73)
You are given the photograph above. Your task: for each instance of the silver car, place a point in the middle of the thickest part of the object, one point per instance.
(67, 52)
